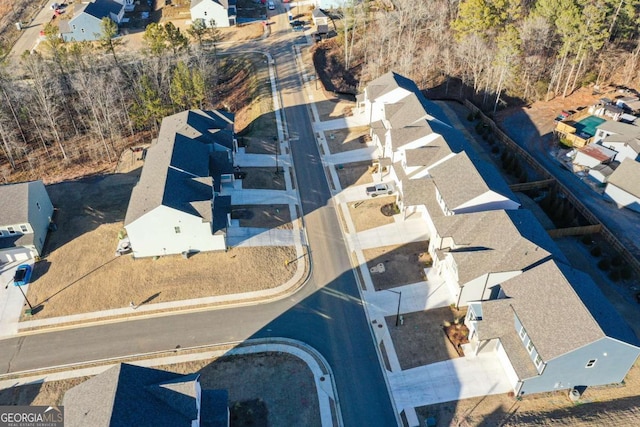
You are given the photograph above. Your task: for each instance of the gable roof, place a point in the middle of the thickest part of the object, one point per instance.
(387, 83)
(459, 180)
(176, 169)
(479, 248)
(611, 126)
(598, 152)
(14, 199)
(555, 294)
(224, 3)
(132, 395)
(102, 8)
(627, 177)
(632, 141)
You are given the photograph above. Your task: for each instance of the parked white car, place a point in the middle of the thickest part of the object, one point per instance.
(379, 189)
(271, 5)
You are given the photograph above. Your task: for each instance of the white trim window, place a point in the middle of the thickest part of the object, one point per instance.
(11, 230)
(538, 361)
(591, 363)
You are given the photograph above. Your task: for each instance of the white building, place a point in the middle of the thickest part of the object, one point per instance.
(623, 185)
(221, 12)
(175, 207)
(25, 214)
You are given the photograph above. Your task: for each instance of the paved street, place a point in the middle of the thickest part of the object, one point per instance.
(326, 313)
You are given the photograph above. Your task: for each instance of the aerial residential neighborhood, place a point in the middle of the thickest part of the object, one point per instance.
(319, 213)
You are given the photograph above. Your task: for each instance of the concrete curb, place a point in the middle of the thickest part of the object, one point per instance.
(327, 394)
(207, 303)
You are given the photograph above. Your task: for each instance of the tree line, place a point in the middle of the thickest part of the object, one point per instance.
(530, 49)
(85, 101)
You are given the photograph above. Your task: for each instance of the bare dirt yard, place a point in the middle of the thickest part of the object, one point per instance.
(79, 272)
(265, 389)
(357, 173)
(263, 178)
(367, 214)
(341, 140)
(421, 339)
(403, 264)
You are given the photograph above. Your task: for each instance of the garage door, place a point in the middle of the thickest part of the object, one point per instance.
(506, 365)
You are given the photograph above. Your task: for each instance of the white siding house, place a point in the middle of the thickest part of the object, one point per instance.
(556, 330)
(221, 12)
(623, 185)
(175, 207)
(473, 258)
(25, 214)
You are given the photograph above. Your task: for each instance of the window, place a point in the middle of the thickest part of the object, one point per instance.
(11, 230)
(529, 346)
(538, 360)
(177, 229)
(82, 30)
(24, 228)
(591, 363)
(523, 334)
(205, 13)
(38, 205)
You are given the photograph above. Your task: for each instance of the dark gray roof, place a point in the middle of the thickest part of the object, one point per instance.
(496, 241)
(461, 180)
(176, 170)
(128, 395)
(102, 8)
(214, 408)
(318, 13)
(627, 177)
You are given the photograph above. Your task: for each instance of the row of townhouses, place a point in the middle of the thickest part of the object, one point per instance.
(548, 323)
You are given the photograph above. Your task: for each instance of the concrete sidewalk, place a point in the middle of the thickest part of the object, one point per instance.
(415, 297)
(323, 377)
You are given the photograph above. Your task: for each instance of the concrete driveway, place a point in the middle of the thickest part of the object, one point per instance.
(450, 380)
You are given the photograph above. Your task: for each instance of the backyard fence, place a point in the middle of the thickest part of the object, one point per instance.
(607, 235)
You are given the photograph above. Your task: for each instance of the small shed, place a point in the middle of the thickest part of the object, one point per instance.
(593, 155)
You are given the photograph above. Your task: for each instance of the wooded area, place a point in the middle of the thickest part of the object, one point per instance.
(527, 49)
(82, 102)
(86, 102)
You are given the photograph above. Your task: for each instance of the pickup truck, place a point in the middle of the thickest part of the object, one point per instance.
(378, 189)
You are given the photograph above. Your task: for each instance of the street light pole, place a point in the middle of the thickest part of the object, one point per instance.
(399, 293)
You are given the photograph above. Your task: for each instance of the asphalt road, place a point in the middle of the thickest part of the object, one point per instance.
(326, 313)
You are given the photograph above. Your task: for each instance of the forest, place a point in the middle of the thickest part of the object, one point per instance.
(80, 102)
(526, 49)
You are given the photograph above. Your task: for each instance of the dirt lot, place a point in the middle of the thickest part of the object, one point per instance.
(263, 178)
(357, 173)
(404, 264)
(79, 272)
(265, 389)
(263, 216)
(366, 213)
(341, 140)
(421, 339)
